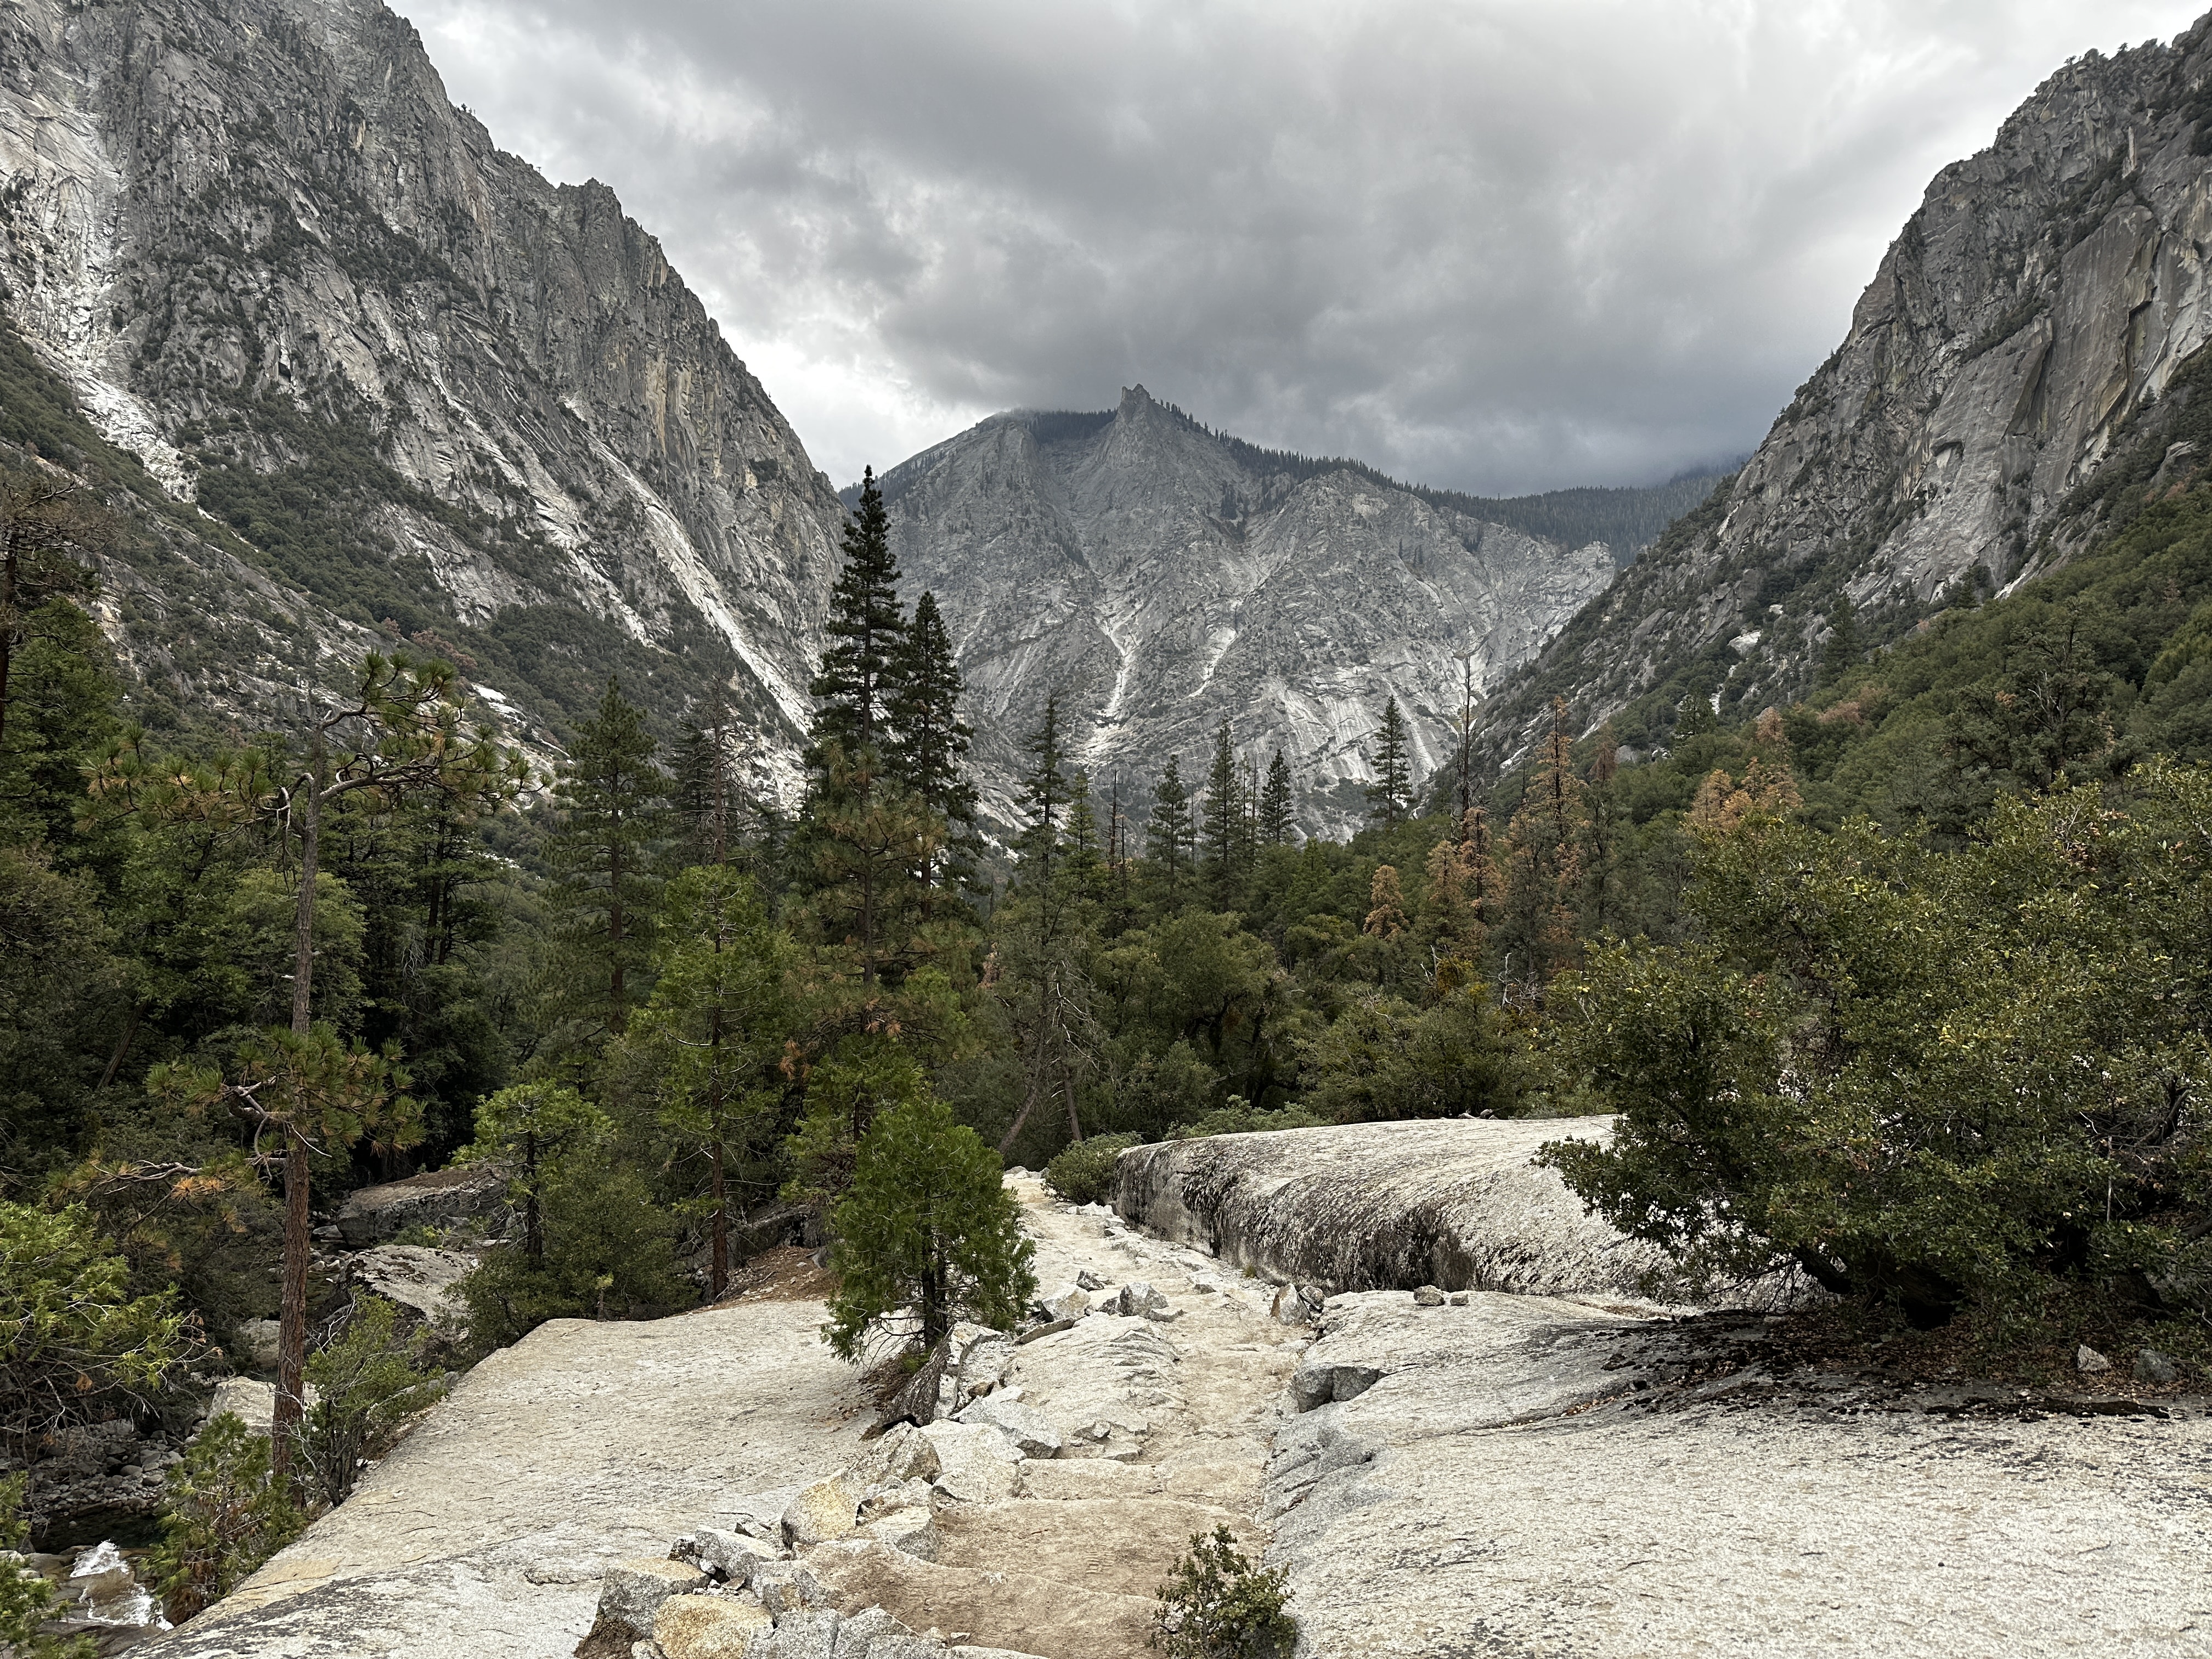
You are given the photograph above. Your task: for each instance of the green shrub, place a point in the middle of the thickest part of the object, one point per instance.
(27, 1599)
(223, 1513)
(1935, 1080)
(1217, 1605)
(1241, 1117)
(610, 1254)
(367, 1384)
(75, 1346)
(1084, 1173)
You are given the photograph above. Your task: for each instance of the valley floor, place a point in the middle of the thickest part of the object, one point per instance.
(1515, 1475)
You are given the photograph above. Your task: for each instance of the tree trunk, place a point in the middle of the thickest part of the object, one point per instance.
(867, 920)
(8, 562)
(718, 1275)
(292, 1320)
(292, 1347)
(615, 989)
(534, 1229)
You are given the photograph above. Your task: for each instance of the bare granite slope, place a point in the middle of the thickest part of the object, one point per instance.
(1160, 578)
(2043, 294)
(1493, 1474)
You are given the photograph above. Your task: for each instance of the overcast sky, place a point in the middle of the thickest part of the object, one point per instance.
(1499, 245)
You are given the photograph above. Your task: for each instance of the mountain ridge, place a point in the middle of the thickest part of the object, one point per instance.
(451, 402)
(2044, 291)
(1159, 579)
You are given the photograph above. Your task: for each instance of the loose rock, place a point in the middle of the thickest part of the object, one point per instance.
(1026, 1427)
(1428, 1296)
(732, 1556)
(826, 1510)
(2155, 1368)
(707, 1627)
(2088, 1360)
(632, 1592)
(1072, 1303)
(975, 1464)
(811, 1634)
(1139, 1299)
(786, 1587)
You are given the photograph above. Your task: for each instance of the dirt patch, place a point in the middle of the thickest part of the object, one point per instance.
(786, 1274)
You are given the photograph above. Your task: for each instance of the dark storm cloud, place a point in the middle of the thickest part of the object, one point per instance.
(1499, 246)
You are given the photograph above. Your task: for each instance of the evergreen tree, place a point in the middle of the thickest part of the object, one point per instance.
(530, 1131)
(1168, 834)
(715, 1033)
(929, 744)
(1390, 796)
(1842, 650)
(866, 628)
(708, 805)
(1044, 798)
(49, 533)
(927, 1236)
(1225, 835)
(1544, 851)
(869, 841)
(1086, 854)
(1275, 803)
(612, 796)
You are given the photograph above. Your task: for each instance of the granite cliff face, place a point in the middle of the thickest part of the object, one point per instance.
(1162, 578)
(397, 368)
(2036, 304)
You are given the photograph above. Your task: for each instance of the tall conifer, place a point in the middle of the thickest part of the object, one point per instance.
(612, 796)
(1225, 812)
(928, 741)
(1044, 798)
(1390, 796)
(1275, 803)
(1168, 836)
(866, 628)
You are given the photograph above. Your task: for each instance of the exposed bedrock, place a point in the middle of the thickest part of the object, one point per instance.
(1528, 1476)
(1453, 1202)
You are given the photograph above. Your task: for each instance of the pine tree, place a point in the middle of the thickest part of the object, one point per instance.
(928, 742)
(1086, 858)
(1386, 919)
(1225, 813)
(1168, 836)
(612, 796)
(867, 841)
(928, 1234)
(1842, 647)
(1543, 858)
(1044, 794)
(868, 630)
(1275, 803)
(708, 803)
(1390, 796)
(715, 1034)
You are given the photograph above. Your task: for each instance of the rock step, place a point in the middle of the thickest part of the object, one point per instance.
(1230, 1483)
(1122, 1545)
(1021, 1612)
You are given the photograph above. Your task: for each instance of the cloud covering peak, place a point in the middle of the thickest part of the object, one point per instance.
(1497, 245)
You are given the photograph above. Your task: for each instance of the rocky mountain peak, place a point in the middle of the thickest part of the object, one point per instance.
(2042, 295)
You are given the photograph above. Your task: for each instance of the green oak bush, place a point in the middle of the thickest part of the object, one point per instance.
(1936, 1080)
